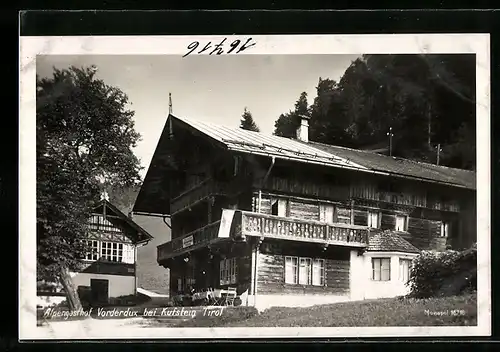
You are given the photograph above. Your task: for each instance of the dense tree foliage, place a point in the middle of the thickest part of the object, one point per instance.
(426, 99)
(247, 122)
(287, 124)
(85, 135)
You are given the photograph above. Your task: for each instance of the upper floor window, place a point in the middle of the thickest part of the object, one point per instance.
(401, 223)
(373, 219)
(279, 207)
(444, 229)
(112, 251)
(93, 250)
(326, 213)
(381, 269)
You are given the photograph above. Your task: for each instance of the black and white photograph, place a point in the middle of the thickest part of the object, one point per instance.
(254, 186)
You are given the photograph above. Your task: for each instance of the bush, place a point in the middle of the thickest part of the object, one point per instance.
(448, 273)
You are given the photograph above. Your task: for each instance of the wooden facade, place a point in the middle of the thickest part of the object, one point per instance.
(293, 219)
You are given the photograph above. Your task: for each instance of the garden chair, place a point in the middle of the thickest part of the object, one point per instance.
(230, 296)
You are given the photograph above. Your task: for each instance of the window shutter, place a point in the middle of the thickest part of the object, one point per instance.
(128, 253)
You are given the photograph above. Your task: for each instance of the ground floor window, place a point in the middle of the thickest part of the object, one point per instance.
(304, 271)
(228, 271)
(381, 269)
(404, 269)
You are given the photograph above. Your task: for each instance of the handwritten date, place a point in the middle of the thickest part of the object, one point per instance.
(236, 46)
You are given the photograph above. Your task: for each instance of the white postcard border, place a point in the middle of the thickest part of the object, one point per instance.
(31, 47)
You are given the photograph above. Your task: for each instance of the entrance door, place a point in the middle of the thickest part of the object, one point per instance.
(99, 290)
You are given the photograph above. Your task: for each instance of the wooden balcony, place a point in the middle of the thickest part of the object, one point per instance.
(195, 239)
(263, 225)
(237, 224)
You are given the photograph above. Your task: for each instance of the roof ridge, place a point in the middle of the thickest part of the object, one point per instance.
(393, 157)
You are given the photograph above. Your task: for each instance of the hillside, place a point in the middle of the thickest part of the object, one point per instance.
(150, 275)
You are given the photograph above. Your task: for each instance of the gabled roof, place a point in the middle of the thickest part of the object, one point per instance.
(389, 241)
(404, 167)
(240, 140)
(142, 235)
(154, 195)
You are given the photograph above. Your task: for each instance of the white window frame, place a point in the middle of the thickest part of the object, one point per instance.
(444, 230)
(405, 224)
(228, 271)
(304, 271)
(93, 253)
(318, 272)
(405, 265)
(282, 204)
(377, 266)
(369, 221)
(326, 213)
(111, 251)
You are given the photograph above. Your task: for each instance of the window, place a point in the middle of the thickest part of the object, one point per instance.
(279, 207)
(291, 270)
(304, 271)
(373, 219)
(444, 229)
(228, 271)
(318, 274)
(112, 251)
(404, 270)
(401, 223)
(93, 253)
(326, 213)
(381, 269)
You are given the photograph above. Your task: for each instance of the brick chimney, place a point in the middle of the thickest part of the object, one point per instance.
(303, 130)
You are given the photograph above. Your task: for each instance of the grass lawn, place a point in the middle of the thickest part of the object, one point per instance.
(447, 311)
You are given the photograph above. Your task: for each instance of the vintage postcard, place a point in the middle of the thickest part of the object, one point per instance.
(254, 186)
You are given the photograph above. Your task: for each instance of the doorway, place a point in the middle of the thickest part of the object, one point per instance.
(99, 290)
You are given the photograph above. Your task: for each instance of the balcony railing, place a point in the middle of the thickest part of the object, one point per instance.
(255, 224)
(237, 224)
(192, 240)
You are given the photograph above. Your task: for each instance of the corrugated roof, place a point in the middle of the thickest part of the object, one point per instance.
(240, 140)
(389, 241)
(405, 167)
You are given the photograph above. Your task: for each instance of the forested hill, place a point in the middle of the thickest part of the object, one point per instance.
(428, 100)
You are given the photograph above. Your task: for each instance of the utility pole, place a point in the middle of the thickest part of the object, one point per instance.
(170, 103)
(439, 150)
(390, 134)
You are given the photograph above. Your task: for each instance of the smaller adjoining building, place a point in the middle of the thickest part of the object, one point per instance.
(109, 269)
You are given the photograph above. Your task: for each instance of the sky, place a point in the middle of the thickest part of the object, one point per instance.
(208, 88)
